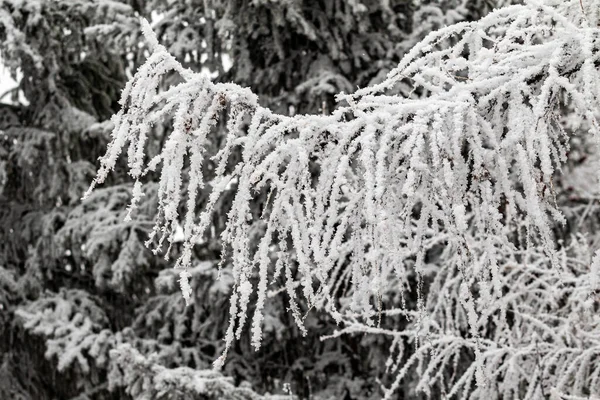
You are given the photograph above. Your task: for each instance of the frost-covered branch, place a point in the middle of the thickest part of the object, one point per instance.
(462, 169)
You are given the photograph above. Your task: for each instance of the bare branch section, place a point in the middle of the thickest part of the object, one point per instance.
(360, 199)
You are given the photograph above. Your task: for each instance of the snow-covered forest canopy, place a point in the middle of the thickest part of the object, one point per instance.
(300, 199)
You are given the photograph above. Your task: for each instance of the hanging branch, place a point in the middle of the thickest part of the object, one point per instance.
(365, 192)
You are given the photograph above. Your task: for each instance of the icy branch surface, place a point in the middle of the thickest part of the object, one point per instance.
(360, 199)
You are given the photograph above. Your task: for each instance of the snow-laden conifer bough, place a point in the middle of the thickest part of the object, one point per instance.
(461, 168)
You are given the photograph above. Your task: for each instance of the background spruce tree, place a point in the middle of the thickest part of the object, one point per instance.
(88, 312)
(77, 281)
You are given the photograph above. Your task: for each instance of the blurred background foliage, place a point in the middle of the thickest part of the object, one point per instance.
(86, 311)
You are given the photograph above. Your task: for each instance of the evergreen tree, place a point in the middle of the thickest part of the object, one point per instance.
(426, 241)
(82, 299)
